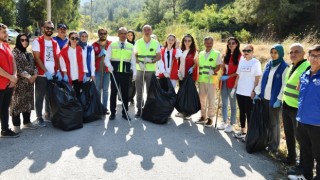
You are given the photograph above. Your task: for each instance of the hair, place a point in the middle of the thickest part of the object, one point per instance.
(102, 29)
(3, 26)
(134, 37)
(235, 54)
(19, 44)
(250, 46)
(193, 47)
(70, 34)
(314, 48)
(297, 45)
(122, 29)
(166, 44)
(47, 22)
(208, 38)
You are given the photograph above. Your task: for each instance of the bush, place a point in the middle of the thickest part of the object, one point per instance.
(243, 35)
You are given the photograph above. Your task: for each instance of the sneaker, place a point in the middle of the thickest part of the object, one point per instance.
(138, 113)
(228, 128)
(296, 177)
(9, 134)
(112, 117)
(30, 126)
(179, 115)
(201, 121)
(222, 126)
(240, 135)
(209, 123)
(17, 129)
(40, 122)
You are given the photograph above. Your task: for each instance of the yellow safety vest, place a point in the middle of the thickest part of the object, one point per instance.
(205, 64)
(143, 52)
(121, 58)
(290, 92)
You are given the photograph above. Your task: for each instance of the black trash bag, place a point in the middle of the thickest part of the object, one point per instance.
(257, 135)
(188, 101)
(91, 103)
(65, 109)
(160, 101)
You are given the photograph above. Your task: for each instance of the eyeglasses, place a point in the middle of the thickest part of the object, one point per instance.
(314, 57)
(49, 28)
(187, 40)
(74, 38)
(294, 52)
(24, 40)
(232, 43)
(247, 51)
(103, 34)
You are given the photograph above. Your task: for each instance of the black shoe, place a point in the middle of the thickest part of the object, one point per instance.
(107, 112)
(138, 113)
(296, 170)
(288, 161)
(125, 117)
(9, 134)
(112, 117)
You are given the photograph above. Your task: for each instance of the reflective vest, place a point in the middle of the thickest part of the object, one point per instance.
(290, 92)
(121, 58)
(143, 52)
(42, 55)
(6, 63)
(205, 64)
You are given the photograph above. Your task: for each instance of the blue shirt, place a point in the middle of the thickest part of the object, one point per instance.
(61, 42)
(309, 98)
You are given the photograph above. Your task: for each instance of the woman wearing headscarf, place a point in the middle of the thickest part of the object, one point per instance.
(87, 54)
(269, 90)
(132, 87)
(23, 94)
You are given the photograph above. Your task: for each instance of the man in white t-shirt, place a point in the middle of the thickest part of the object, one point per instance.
(45, 51)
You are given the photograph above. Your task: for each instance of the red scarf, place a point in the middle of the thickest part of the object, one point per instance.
(97, 50)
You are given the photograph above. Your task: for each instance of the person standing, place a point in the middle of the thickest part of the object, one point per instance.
(188, 63)
(270, 91)
(209, 65)
(102, 75)
(87, 54)
(290, 104)
(72, 63)
(169, 65)
(46, 53)
(8, 80)
(132, 88)
(61, 38)
(23, 94)
(249, 73)
(120, 59)
(308, 114)
(230, 66)
(147, 52)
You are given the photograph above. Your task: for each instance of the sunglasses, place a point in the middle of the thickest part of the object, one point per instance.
(187, 40)
(24, 40)
(247, 51)
(74, 38)
(49, 28)
(103, 34)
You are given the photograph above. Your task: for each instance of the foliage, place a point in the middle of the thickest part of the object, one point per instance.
(7, 15)
(23, 14)
(243, 36)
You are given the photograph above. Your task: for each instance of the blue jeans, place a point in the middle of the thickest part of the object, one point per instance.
(225, 96)
(105, 86)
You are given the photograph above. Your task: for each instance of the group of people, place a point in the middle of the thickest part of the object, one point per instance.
(131, 64)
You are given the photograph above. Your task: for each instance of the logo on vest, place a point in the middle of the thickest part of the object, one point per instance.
(151, 49)
(316, 82)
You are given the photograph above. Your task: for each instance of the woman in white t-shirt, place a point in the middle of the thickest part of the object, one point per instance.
(249, 73)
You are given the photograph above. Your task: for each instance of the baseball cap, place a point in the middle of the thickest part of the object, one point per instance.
(62, 26)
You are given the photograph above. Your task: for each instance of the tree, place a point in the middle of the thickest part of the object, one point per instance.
(7, 13)
(23, 15)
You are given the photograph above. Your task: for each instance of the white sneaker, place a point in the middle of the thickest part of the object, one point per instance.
(17, 129)
(229, 128)
(222, 126)
(296, 177)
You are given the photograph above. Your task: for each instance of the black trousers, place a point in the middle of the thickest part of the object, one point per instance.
(5, 99)
(290, 130)
(40, 95)
(122, 80)
(16, 119)
(308, 137)
(245, 106)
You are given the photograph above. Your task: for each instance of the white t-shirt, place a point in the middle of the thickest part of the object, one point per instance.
(163, 66)
(183, 61)
(48, 54)
(247, 71)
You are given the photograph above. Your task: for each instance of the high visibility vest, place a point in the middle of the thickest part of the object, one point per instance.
(121, 58)
(143, 52)
(290, 92)
(205, 64)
